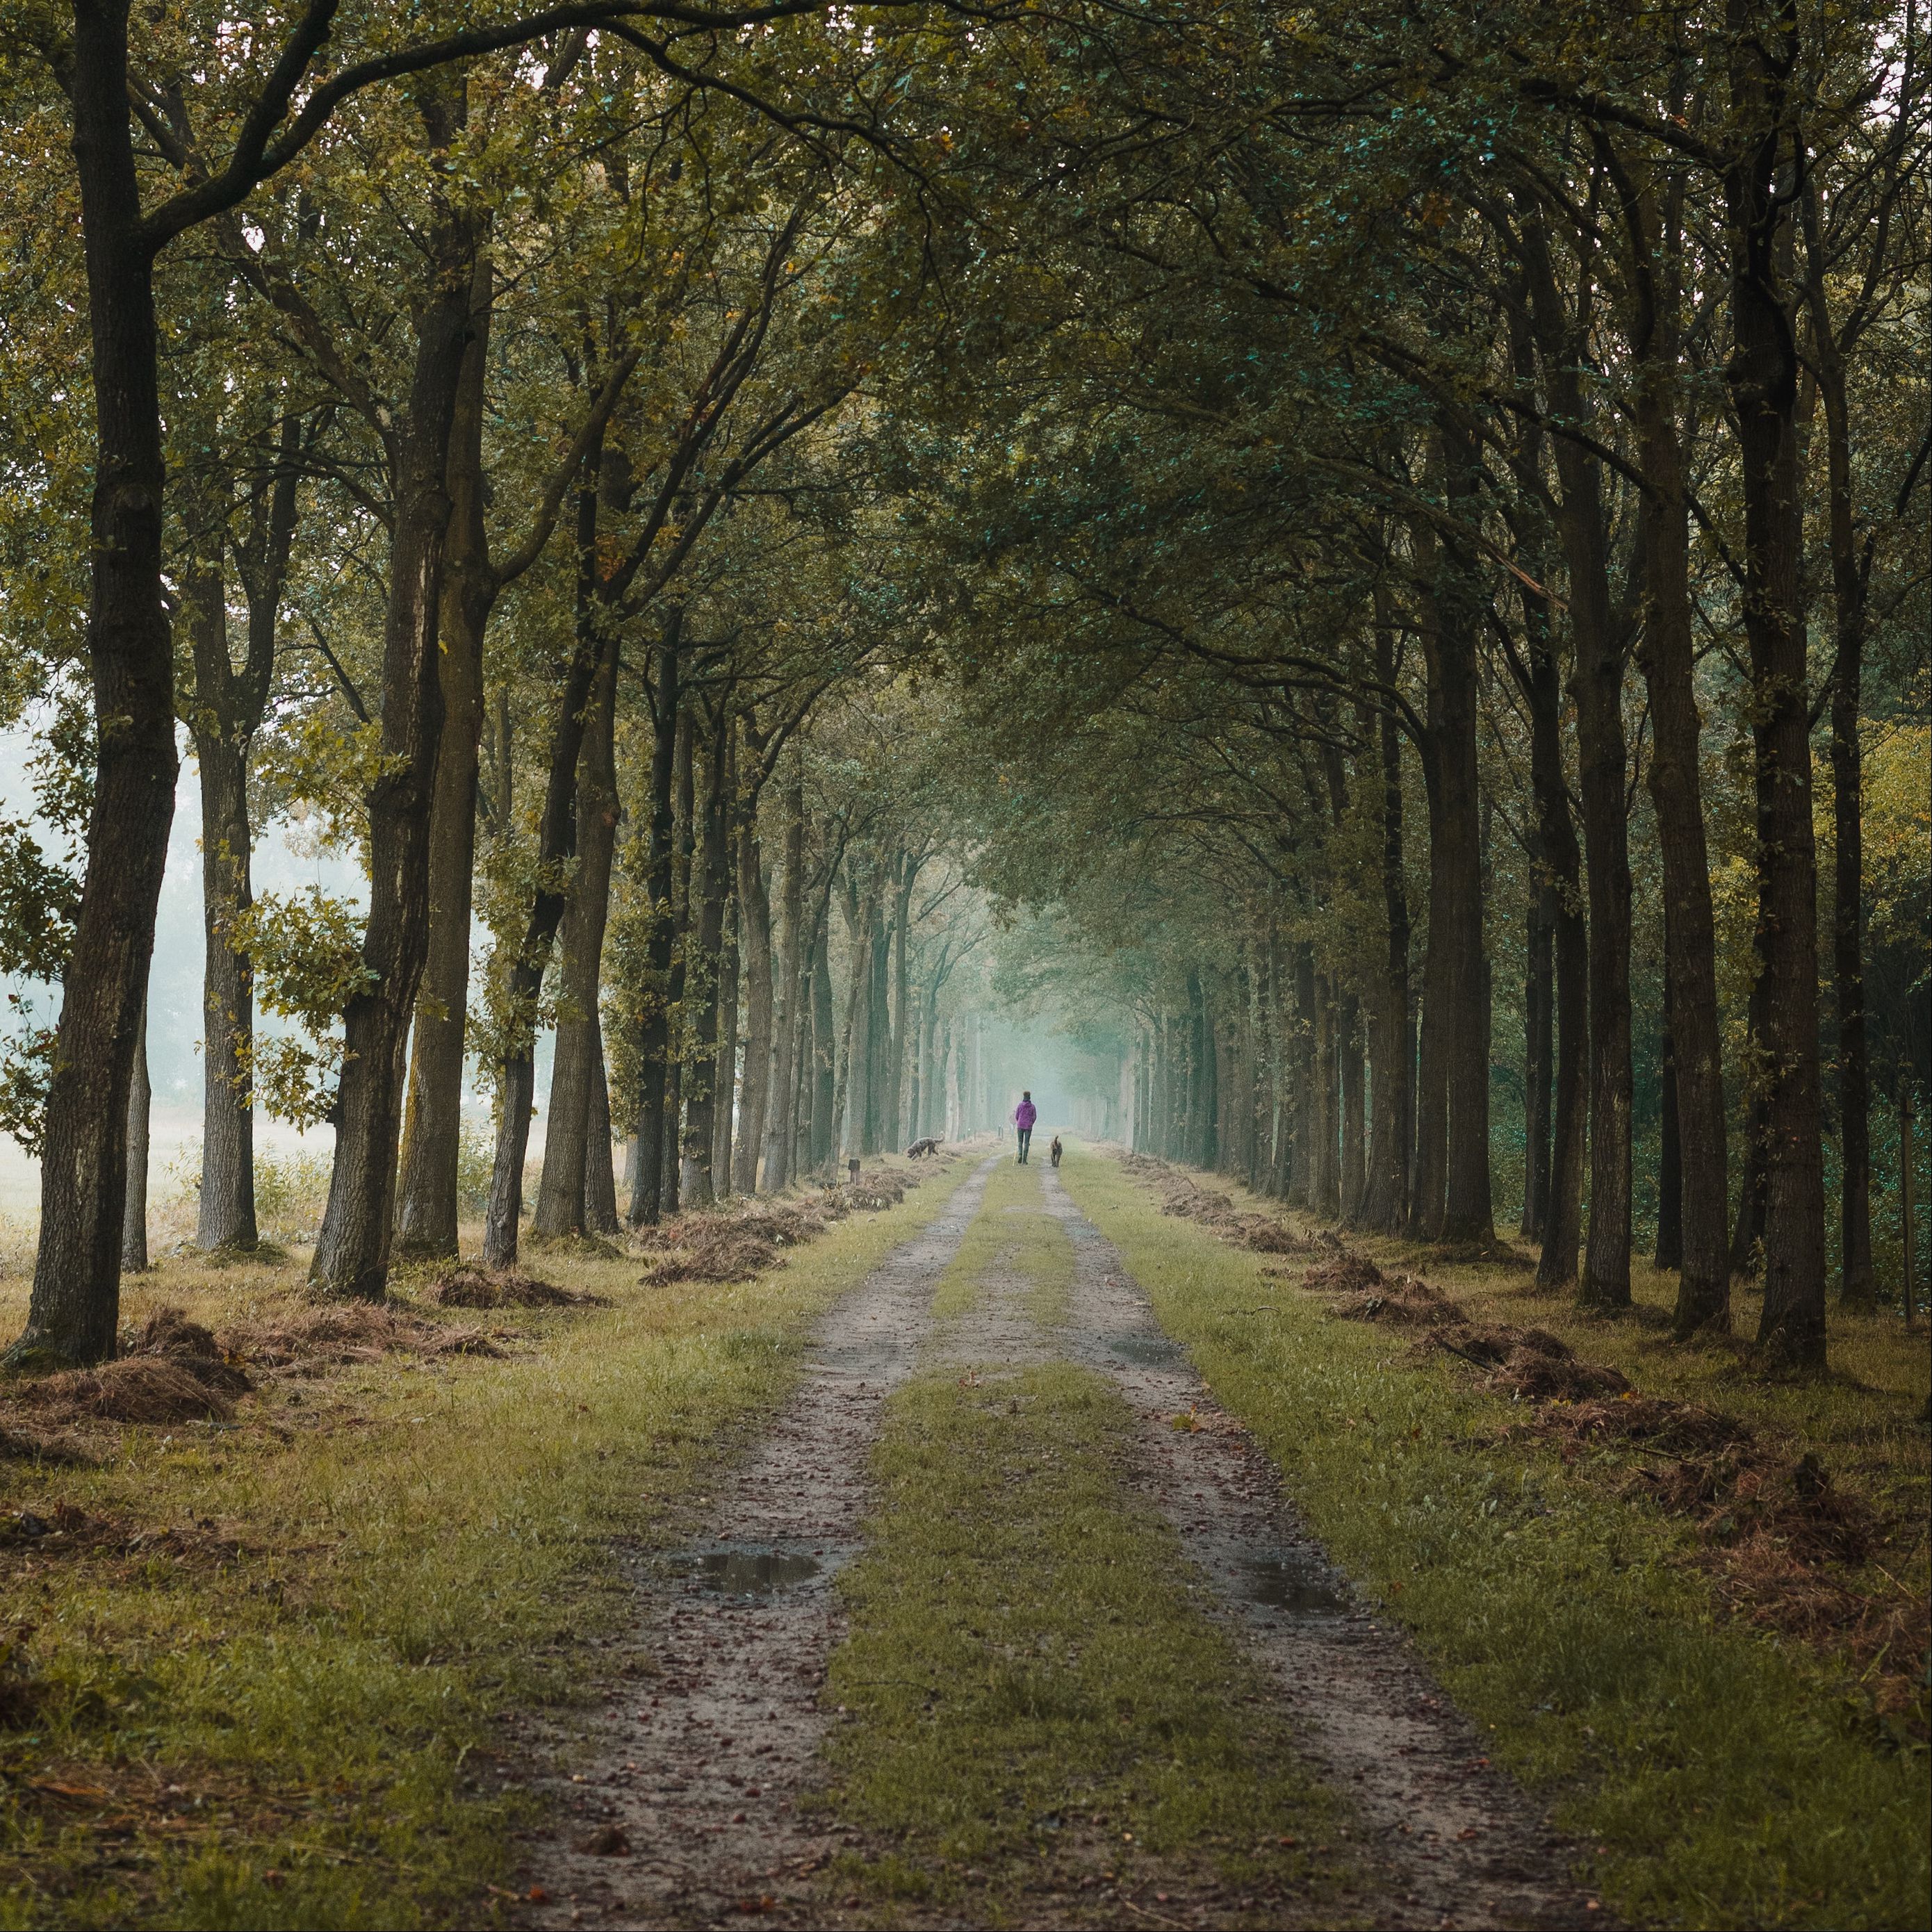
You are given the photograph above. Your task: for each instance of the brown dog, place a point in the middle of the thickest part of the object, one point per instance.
(1054, 1150)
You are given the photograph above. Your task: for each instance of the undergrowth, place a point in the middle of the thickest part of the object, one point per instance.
(1719, 1776)
(253, 1684)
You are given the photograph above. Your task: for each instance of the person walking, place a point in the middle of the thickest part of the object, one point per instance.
(1025, 1114)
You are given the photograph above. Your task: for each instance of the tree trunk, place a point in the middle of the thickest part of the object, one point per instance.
(1469, 1214)
(788, 1004)
(1597, 686)
(726, 1086)
(1762, 377)
(75, 1309)
(1561, 892)
(755, 958)
(1908, 1174)
(1326, 1179)
(1670, 1152)
(600, 1176)
(1429, 1183)
(352, 1254)
(879, 1032)
(861, 918)
(140, 1105)
(1747, 1233)
(1539, 1050)
(556, 846)
(891, 1134)
(1857, 1285)
(1666, 655)
(1386, 1211)
(226, 1217)
(823, 1071)
(704, 947)
(1348, 1048)
(427, 1212)
(577, 1061)
(652, 1130)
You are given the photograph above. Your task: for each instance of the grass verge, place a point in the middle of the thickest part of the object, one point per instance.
(254, 1687)
(1724, 1777)
(1038, 1708)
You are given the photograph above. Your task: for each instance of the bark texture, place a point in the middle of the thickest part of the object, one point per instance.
(75, 1308)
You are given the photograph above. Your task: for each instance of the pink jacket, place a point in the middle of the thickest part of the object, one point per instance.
(1025, 1114)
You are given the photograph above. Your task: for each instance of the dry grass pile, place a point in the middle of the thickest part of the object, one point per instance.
(1777, 1538)
(1678, 1428)
(1268, 1237)
(1344, 1273)
(1192, 1202)
(735, 1243)
(1528, 1364)
(1183, 1196)
(66, 1531)
(308, 1340)
(1530, 1376)
(714, 1249)
(1792, 1552)
(785, 1224)
(168, 1335)
(468, 1287)
(872, 1193)
(1491, 1344)
(1366, 1294)
(1799, 1510)
(136, 1388)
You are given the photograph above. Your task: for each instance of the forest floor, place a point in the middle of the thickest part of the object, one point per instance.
(1092, 1548)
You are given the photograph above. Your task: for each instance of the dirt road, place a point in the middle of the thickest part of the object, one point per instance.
(692, 1801)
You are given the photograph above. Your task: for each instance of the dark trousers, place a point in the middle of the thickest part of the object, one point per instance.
(1026, 1141)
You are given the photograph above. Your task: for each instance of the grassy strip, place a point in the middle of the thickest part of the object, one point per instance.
(276, 1719)
(1725, 1778)
(1035, 1695)
(1012, 1235)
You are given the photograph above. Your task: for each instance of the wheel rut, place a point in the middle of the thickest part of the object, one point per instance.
(1449, 1840)
(680, 1803)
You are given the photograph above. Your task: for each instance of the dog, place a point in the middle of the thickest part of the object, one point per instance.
(1054, 1151)
(929, 1145)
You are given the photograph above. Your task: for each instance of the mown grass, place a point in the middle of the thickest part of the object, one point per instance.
(1722, 1777)
(283, 1722)
(1035, 1699)
(1012, 1236)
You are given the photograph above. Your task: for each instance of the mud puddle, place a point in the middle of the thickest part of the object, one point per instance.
(739, 1571)
(1146, 1351)
(1446, 1840)
(1290, 1583)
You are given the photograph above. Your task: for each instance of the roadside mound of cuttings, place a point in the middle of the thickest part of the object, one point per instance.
(1183, 1196)
(737, 1242)
(1775, 1536)
(466, 1285)
(171, 1369)
(307, 1341)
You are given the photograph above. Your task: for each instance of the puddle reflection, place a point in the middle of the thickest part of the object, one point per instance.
(747, 1572)
(1151, 1351)
(1290, 1583)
